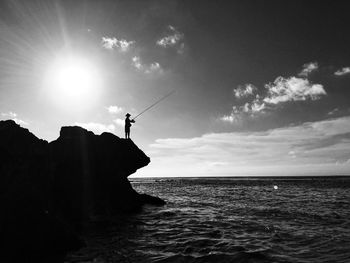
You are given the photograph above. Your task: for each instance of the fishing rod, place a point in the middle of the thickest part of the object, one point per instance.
(154, 104)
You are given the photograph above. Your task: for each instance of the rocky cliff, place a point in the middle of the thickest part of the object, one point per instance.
(48, 190)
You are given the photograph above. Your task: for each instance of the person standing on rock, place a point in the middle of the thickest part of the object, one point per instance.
(128, 125)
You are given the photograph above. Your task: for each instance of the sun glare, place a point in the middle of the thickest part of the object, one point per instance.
(73, 83)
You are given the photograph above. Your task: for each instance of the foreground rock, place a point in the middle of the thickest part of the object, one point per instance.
(90, 174)
(48, 190)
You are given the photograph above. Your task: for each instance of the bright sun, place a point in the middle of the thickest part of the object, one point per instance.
(73, 82)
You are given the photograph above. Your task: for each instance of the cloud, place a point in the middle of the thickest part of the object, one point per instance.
(119, 122)
(20, 122)
(308, 68)
(329, 141)
(229, 118)
(115, 109)
(342, 71)
(255, 107)
(244, 90)
(136, 62)
(292, 89)
(334, 111)
(249, 109)
(280, 91)
(173, 38)
(9, 114)
(13, 116)
(109, 43)
(154, 67)
(113, 43)
(312, 148)
(234, 116)
(97, 128)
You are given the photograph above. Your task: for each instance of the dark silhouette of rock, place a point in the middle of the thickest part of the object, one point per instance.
(27, 223)
(49, 190)
(90, 174)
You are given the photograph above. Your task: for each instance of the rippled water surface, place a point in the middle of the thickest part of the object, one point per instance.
(230, 220)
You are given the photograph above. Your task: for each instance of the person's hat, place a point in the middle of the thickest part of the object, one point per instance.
(127, 115)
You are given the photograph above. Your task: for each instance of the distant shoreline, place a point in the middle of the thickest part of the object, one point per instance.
(285, 177)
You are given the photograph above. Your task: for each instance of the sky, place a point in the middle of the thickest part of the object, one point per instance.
(261, 87)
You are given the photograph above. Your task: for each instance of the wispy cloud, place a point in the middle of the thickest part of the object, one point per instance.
(230, 118)
(115, 109)
(244, 90)
(96, 127)
(9, 114)
(249, 109)
(112, 43)
(308, 68)
(311, 148)
(342, 71)
(13, 116)
(21, 122)
(173, 38)
(119, 122)
(136, 62)
(154, 67)
(334, 111)
(234, 116)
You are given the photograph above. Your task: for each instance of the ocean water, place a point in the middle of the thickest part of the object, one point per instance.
(230, 220)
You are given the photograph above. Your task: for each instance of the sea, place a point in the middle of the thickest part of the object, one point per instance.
(276, 219)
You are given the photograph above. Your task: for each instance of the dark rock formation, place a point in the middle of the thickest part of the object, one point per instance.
(90, 173)
(27, 225)
(48, 190)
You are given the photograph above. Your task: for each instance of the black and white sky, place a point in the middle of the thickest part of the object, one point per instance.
(262, 87)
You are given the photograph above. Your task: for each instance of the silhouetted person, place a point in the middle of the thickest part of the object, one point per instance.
(128, 125)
